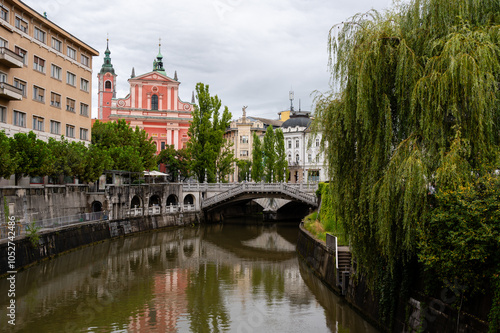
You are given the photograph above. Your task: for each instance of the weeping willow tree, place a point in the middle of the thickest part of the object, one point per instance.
(414, 109)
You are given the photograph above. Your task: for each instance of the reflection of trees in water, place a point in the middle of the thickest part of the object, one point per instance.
(206, 308)
(339, 316)
(270, 280)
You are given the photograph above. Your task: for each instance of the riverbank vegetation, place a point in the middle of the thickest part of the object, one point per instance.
(412, 144)
(324, 221)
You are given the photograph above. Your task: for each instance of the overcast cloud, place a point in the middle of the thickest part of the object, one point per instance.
(250, 52)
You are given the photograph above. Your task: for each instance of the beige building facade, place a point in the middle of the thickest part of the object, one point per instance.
(45, 76)
(240, 134)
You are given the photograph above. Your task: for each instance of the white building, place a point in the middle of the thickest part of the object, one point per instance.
(305, 160)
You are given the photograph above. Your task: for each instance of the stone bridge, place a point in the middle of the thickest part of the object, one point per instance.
(247, 191)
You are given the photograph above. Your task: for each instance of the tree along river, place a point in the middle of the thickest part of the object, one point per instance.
(219, 278)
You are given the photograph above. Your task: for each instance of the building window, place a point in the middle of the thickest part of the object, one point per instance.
(38, 123)
(289, 158)
(317, 142)
(38, 64)
(84, 109)
(70, 105)
(84, 85)
(162, 145)
(55, 100)
(244, 139)
(107, 85)
(71, 79)
(21, 85)
(71, 52)
(85, 60)
(55, 127)
(3, 114)
(84, 134)
(154, 102)
(289, 144)
(70, 131)
(38, 94)
(22, 53)
(297, 158)
(243, 152)
(56, 44)
(4, 14)
(21, 24)
(19, 119)
(317, 158)
(39, 35)
(297, 144)
(3, 77)
(55, 72)
(309, 158)
(4, 43)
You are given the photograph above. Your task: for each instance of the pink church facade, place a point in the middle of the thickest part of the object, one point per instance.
(153, 104)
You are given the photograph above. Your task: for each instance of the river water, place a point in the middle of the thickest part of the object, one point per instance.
(220, 278)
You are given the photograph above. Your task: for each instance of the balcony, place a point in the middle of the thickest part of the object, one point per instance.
(10, 59)
(9, 92)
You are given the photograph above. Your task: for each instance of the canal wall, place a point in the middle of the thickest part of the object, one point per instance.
(59, 240)
(421, 313)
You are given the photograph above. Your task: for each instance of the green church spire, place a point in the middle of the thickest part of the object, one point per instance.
(107, 66)
(158, 63)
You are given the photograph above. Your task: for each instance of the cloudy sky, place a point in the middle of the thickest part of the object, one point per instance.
(250, 52)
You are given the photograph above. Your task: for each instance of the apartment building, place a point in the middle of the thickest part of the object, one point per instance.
(45, 76)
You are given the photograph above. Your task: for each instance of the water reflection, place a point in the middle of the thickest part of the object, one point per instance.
(214, 279)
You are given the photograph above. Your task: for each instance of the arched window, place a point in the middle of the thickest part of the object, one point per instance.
(297, 158)
(107, 85)
(154, 102)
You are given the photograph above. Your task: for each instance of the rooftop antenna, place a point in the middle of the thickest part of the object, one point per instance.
(291, 100)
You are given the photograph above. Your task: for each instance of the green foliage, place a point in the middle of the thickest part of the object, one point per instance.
(257, 159)
(176, 161)
(7, 162)
(32, 234)
(416, 110)
(414, 85)
(269, 155)
(460, 238)
(129, 149)
(281, 166)
(208, 149)
(32, 156)
(243, 169)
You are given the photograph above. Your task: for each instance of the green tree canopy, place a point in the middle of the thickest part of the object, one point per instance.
(7, 161)
(257, 160)
(281, 166)
(31, 155)
(176, 161)
(208, 149)
(269, 155)
(415, 108)
(130, 149)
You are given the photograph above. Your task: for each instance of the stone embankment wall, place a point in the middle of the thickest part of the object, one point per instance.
(59, 240)
(420, 313)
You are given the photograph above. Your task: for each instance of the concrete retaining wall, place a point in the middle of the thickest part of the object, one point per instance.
(60, 240)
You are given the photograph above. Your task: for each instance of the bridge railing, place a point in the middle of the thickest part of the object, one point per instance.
(290, 190)
(220, 187)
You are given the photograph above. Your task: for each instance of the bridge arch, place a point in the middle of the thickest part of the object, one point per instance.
(172, 200)
(154, 200)
(96, 206)
(136, 202)
(189, 199)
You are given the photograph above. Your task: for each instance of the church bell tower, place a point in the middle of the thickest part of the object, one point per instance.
(107, 86)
